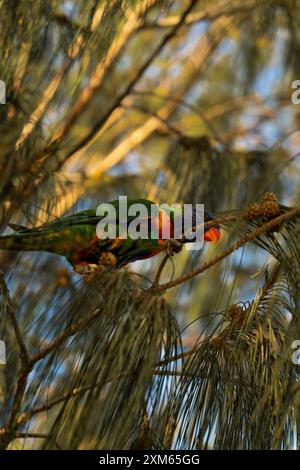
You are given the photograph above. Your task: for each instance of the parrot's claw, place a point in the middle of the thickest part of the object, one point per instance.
(85, 268)
(107, 259)
(174, 246)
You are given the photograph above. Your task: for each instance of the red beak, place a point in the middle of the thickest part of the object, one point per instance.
(212, 235)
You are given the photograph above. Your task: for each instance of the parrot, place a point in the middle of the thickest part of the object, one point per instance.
(75, 237)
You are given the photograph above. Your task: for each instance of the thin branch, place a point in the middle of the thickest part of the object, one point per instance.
(26, 416)
(185, 104)
(159, 271)
(249, 237)
(196, 17)
(176, 357)
(217, 220)
(133, 82)
(163, 121)
(24, 356)
(270, 281)
(133, 22)
(70, 331)
(201, 52)
(48, 95)
(36, 435)
(52, 88)
(211, 223)
(206, 116)
(30, 362)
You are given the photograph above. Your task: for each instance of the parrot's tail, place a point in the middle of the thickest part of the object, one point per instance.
(22, 242)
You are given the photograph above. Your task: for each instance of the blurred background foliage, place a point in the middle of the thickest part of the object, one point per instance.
(178, 101)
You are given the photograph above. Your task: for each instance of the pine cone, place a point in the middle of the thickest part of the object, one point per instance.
(217, 342)
(268, 197)
(235, 311)
(270, 209)
(252, 212)
(237, 314)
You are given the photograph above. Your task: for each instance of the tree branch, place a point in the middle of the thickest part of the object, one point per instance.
(26, 416)
(26, 367)
(249, 237)
(133, 22)
(70, 331)
(35, 435)
(133, 82)
(159, 271)
(196, 17)
(24, 357)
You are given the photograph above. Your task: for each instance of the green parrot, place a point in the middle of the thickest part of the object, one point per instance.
(75, 237)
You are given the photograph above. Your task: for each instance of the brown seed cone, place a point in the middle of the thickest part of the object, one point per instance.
(237, 314)
(107, 259)
(217, 342)
(270, 209)
(268, 197)
(252, 212)
(234, 309)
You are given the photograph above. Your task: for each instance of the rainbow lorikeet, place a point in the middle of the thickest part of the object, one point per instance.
(75, 237)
